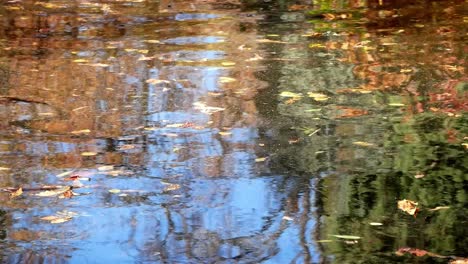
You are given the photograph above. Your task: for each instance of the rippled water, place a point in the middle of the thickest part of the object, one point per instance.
(221, 132)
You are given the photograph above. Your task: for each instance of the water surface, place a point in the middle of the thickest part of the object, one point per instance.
(255, 132)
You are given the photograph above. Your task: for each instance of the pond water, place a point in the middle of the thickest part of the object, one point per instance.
(228, 132)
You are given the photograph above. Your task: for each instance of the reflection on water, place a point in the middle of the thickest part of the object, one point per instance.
(219, 133)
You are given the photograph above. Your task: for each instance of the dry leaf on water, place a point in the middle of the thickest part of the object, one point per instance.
(439, 208)
(54, 192)
(88, 154)
(459, 261)
(156, 81)
(105, 168)
(417, 252)
(408, 206)
(347, 237)
(290, 94)
(16, 193)
(363, 144)
(59, 217)
(171, 187)
(63, 174)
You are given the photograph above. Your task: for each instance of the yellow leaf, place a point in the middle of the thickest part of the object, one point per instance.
(375, 224)
(80, 60)
(408, 206)
(46, 114)
(153, 41)
(224, 133)
(316, 45)
(290, 94)
(16, 193)
(260, 159)
(4, 169)
(83, 131)
(439, 208)
(311, 94)
(114, 191)
(363, 144)
(228, 63)
(347, 237)
(54, 192)
(87, 154)
(226, 79)
(396, 104)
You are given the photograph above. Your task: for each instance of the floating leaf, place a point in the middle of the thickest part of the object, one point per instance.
(408, 206)
(83, 131)
(153, 41)
(316, 45)
(105, 168)
(290, 94)
(156, 81)
(63, 174)
(55, 219)
(375, 224)
(54, 192)
(80, 60)
(318, 96)
(439, 208)
(363, 144)
(16, 193)
(224, 133)
(77, 178)
(114, 191)
(99, 65)
(226, 79)
(67, 194)
(270, 41)
(171, 187)
(324, 241)
(206, 109)
(347, 237)
(459, 261)
(126, 147)
(88, 153)
(260, 159)
(417, 252)
(228, 63)
(4, 169)
(419, 175)
(288, 218)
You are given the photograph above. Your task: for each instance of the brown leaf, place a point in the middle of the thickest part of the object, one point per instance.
(417, 252)
(67, 194)
(408, 206)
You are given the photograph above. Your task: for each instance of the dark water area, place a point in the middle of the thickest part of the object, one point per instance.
(233, 132)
